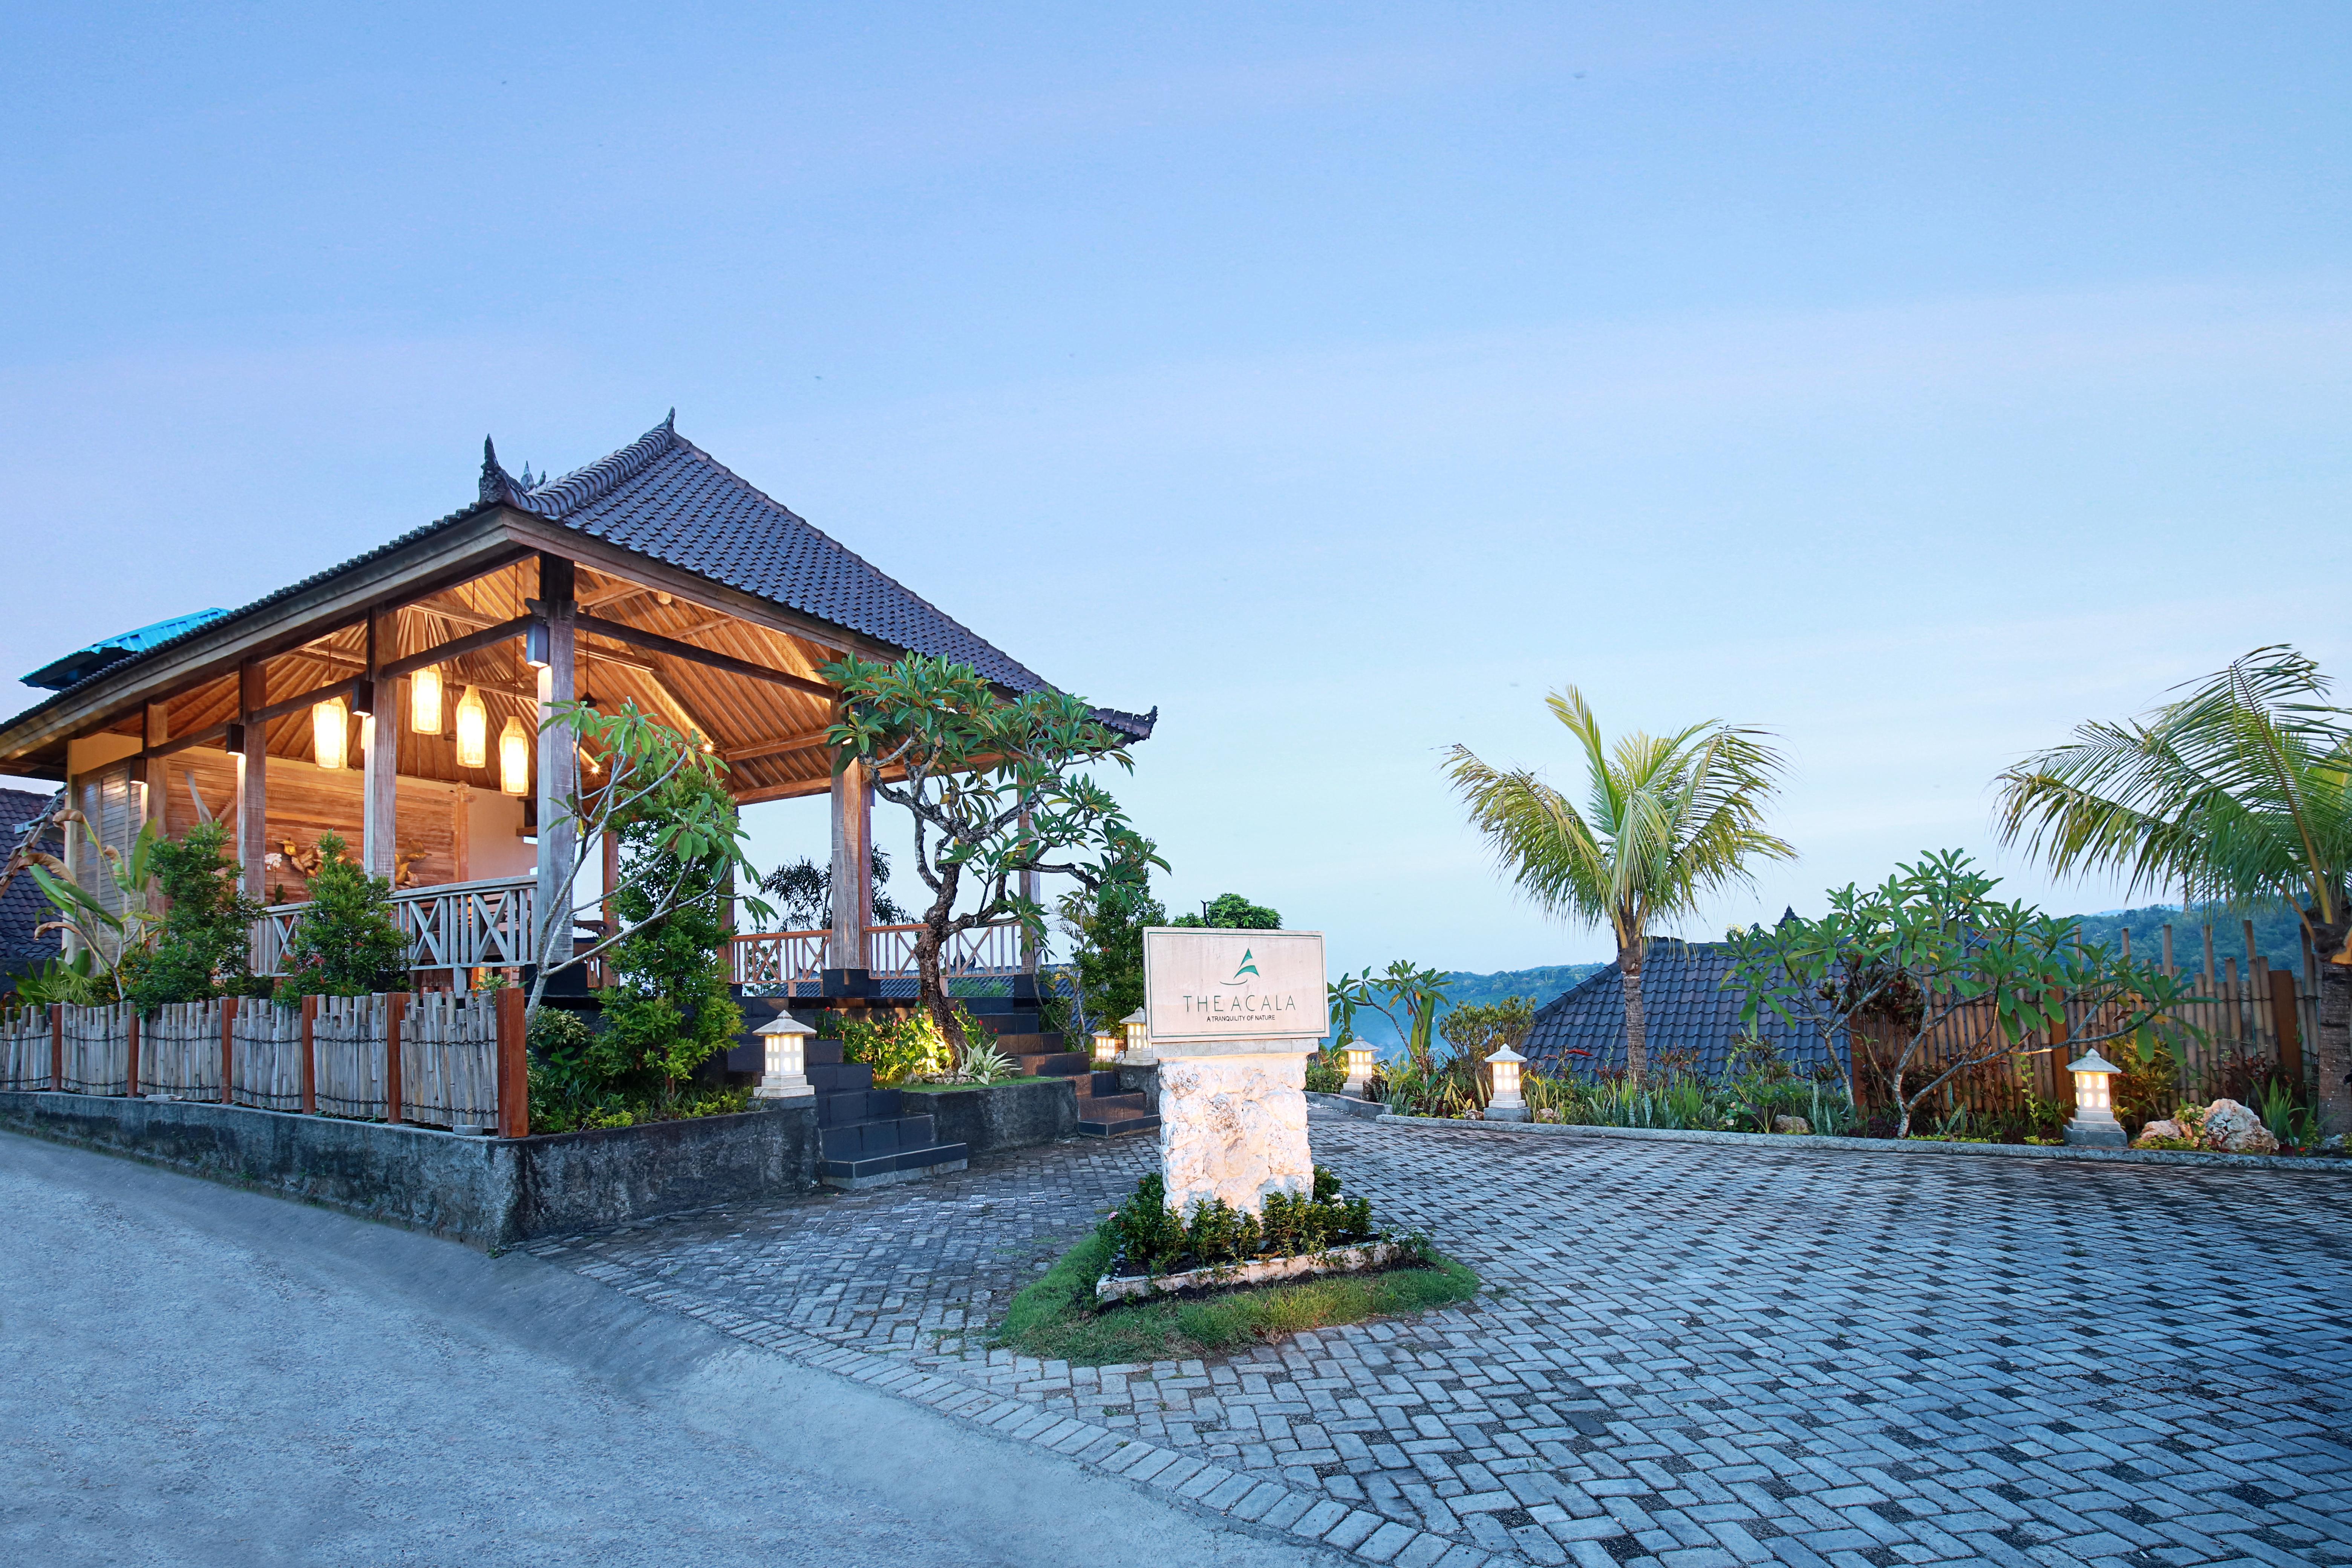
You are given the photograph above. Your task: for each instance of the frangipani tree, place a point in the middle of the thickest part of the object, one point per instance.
(993, 783)
(1667, 821)
(2239, 793)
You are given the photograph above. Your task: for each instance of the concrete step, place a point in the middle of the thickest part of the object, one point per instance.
(882, 1170)
(1120, 1123)
(1057, 1064)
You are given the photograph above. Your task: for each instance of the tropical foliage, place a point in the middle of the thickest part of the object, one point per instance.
(804, 893)
(1231, 911)
(1930, 954)
(345, 941)
(994, 788)
(1667, 821)
(2238, 791)
(669, 1009)
(1409, 996)
(1105, 926)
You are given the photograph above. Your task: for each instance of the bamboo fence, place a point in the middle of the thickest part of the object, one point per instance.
(2244, 1027)
(448, 1059)
(27, 1049)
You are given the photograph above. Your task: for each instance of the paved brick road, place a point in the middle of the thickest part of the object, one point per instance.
(1693, 1353)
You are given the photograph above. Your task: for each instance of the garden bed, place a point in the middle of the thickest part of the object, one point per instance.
(1059, 1318)
(1128, 1287)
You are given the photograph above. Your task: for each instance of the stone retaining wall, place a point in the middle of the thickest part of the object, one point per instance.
(490, 1193)
(987, 1119)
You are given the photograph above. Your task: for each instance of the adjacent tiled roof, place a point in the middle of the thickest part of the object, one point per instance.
(22, 907)
(1685, 1006)
(664, 497)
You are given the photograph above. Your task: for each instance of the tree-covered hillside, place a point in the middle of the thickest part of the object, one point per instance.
(1467, 990)
(2278, 934)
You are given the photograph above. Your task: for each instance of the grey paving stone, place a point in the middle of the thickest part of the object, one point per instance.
(1801, 1354)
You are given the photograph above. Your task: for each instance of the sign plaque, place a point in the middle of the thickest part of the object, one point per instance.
(1238, 989)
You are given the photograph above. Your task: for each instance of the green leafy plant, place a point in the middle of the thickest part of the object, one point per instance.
(996, 788)
(1930, 954)
(1667, 821)
(345, 941)
(1409, 997)
(1105, 926)
(1231, 911)
(1153, 1238)
(81, 983)
(203, 946)
(115, 936)
(2290, 1121)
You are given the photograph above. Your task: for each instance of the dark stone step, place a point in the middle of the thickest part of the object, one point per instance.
(1030, 1045)
(905, 1166)
(871, 1140)
(1112, 1104)
(1059, 1064)
(856, 1105)
(1115, 1126)
(839, 1077)
(1100, 1084)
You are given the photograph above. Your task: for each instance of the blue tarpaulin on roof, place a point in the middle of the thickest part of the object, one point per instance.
(84, 662)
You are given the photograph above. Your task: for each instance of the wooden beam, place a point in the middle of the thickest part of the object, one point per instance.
(505, 631)
(806, 741)
(653, 642)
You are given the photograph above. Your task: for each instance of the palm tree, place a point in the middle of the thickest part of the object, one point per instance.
(2239, 793)
(1668, 820)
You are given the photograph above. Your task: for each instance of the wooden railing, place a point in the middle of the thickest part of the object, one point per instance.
(792, 962)
(443, 1058)
(485, 924)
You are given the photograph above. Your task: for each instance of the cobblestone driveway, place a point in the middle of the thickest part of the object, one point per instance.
(1693, 1353)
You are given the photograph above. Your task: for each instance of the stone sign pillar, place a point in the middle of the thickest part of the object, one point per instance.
(1233, 1016)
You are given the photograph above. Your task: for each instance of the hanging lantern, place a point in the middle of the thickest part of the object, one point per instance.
(1505, 1104)
(2094, 1125)
(514, 757)
(331, 730)
(473, 731)
(425, 700)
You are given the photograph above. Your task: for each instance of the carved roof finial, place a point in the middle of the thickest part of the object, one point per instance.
(495, 484)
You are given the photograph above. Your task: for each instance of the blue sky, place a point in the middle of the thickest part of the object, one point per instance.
(1914, 382)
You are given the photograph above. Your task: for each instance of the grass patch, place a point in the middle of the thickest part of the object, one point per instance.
(944, 1088)
(1056, 1317)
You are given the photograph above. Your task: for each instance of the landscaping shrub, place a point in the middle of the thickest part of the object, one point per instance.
(1150, 1237)
(344, 943)
(203, 949)
(908, 1049)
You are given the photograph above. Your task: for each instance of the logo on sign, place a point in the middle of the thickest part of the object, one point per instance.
(1246, 968)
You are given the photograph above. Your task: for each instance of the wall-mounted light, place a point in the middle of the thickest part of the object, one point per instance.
(534, 645)
(473, 731)
(514, 757)
(364, 698)
(331, 728)
(425, 700)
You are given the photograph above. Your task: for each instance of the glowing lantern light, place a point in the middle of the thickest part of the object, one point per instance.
(2094, 1125)
(1137, 1031)
(331, 728)
(514, 757)
(1360, 1061)
(1105, 1048)
(425, 700)
(1506, 1105)
(473, 731)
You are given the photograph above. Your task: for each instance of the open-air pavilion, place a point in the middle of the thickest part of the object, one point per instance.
(398, 699)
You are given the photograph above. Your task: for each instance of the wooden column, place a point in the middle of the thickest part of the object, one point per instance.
(852, 803)
(559, 754)
(253, 780)
(379, 744)
(310, 1056)
(130, 1058)
(513, 1067)
(2285, 1026)
(154, 778)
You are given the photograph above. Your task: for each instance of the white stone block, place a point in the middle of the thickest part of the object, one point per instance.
(1233, 1125)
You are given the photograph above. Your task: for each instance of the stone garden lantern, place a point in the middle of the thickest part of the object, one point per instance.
(1139, 1029)
(1361, 1059)
(2094, 1125)
(1505, 1104)
(1105, 1048)
(786, 1068)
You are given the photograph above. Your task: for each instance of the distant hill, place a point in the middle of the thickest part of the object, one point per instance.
(1467, 990)
(2278, 934)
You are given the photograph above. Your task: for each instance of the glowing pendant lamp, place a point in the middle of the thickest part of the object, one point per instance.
(473, 731)
(331, 728)
(514, 757)
(425, 700)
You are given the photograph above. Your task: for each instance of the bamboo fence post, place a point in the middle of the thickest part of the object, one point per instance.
(228, 1046)
(513, 1067)
(309, 1061)
(2284, 1026)
(394, 1005)
(131, 1058)
(57, 1045)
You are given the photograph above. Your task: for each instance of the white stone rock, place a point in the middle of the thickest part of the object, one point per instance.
(1233, 1125)
(2234, 1130)
(2165, 1129)
(1795, 1124)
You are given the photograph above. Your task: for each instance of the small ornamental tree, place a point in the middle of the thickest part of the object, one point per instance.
(1931, 958)
(670, 1009)
(344, 943)
(667, 796)
(1231, 911)
(805, 890)
(1409, 998)
(992, 785)
(205, 946)
(1105, 926)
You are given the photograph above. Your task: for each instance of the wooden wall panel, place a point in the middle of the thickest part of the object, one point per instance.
(306, 801)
